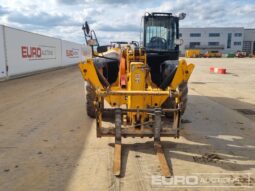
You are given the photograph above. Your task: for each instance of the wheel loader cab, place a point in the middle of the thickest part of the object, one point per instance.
(159, 40)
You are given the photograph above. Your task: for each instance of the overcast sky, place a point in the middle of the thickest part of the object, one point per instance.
(119, 19)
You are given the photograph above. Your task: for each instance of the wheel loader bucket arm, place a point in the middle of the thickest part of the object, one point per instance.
(183, 73)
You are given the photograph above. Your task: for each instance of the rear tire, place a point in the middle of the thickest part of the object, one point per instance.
(170, 102)
(90, 98)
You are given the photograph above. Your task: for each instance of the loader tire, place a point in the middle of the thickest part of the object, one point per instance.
(90, 97)
(170, 102)
(183, 87)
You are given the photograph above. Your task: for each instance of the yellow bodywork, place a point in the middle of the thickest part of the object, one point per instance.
(140, 92)
(183, 73)
(136, 82)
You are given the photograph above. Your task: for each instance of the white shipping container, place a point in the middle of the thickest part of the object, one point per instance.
(71, 53)
(29, 52)
(2, 55)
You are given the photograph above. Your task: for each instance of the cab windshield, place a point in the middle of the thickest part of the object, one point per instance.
(160, 33)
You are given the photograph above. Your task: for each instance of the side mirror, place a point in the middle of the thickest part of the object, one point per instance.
(101, 49)
(178, 41)
(182, 16)
(86, 28)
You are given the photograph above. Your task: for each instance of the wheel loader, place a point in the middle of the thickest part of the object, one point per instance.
(141, 84)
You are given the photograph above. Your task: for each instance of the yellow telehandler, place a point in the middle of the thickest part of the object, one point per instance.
(142, 84)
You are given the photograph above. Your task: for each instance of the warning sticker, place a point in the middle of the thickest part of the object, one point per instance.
(137, 78)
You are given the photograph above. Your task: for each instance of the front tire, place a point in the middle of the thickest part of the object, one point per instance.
(90, 98)
(170, 102)
(183, 87)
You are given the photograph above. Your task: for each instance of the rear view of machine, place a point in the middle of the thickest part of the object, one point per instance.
(143, 84)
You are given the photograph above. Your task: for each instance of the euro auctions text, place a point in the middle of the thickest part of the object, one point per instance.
(204, 180)
(38, 52)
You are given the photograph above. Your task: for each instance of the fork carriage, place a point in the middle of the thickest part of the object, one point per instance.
(151, 128)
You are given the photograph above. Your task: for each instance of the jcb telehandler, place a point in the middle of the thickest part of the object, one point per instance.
(141, 83)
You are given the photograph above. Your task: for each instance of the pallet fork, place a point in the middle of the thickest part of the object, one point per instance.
(166, 170)
(153, 130)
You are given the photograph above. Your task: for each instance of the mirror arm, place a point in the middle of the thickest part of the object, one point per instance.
(92, 47)
(86, 39)
(93, 33)
(90, 37)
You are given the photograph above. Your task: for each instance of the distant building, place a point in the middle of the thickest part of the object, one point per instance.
(225, 40)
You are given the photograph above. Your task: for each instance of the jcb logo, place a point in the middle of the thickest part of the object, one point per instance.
(31, 52)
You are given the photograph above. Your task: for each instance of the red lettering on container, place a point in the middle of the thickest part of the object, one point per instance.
(69, 53)
(24, 51)
(31, 52)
